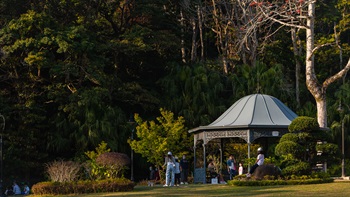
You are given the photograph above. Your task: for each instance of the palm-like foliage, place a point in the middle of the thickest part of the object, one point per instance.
(196, 92)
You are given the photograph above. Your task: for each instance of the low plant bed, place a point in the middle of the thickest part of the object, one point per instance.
(251, 182)
(80, 187)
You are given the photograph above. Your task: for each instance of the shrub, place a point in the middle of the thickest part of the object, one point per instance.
(56, 188)
(327, 148)
(289, 137)
(113, 163)
(300, 168)
(63, 171)
(279, 182)
(303, 124)
(321, 175)
(288, 147)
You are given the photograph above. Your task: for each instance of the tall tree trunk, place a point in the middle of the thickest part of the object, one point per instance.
(322, 110)
(297, 54)
(311, 81)
(221, 35)
(200, 27)
(194, 42)
(183, 49)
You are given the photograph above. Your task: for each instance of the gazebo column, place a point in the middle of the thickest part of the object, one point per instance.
(204, 164)
(248, 138)
(194, 160)
(221, 148)
(248, 156)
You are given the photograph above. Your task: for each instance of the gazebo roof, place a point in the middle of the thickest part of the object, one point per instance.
(253, 111)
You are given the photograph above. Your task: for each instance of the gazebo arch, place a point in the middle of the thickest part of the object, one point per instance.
(251, 117)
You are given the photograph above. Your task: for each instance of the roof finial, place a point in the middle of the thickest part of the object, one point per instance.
(258, 88)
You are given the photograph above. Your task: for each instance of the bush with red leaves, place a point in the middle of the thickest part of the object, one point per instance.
(113, 163)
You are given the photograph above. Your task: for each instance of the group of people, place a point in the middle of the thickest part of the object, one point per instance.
(16, 190)
(231, 166)
(176, 171)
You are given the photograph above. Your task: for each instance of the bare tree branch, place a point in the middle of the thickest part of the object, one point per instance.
(337, 76)
(317, 48)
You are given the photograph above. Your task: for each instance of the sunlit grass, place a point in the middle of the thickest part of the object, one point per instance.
(335, 189)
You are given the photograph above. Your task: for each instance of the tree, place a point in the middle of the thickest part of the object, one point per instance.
(154, 139)
(300, 14)
(94, 171)
(300, 148)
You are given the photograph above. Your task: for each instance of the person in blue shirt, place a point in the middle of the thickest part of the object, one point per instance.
(16, 189)
(231, 168)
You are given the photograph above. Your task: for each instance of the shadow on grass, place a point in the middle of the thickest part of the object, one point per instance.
(202, 190)
(326, 189)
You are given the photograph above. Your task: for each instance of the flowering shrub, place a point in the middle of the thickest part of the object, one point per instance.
(113, 164)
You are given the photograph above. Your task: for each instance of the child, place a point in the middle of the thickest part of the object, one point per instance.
(26, 190)
(259, 161)
(240, 169)
(177, 172)
(156, 175)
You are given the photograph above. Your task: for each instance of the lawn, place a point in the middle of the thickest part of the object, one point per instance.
(336, 189)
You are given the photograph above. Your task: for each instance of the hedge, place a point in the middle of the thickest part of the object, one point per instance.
(80, 187)
(279, 182)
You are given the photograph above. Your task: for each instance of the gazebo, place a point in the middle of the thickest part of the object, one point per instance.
(251, 117)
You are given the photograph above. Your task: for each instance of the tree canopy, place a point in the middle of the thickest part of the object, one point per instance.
(72, 71)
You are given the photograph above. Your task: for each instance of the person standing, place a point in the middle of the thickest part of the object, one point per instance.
(151, 176)
(156, 175)
(170, 170)
(240, 169)
(259, 161)
(177, 172)
(231, 166)
(184, 170)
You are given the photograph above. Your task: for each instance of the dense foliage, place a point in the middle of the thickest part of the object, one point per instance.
(72, 72)
(302, 150)
(154, 139)
(303, 124)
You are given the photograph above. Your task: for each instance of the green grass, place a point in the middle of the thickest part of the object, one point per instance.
(336, 189)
